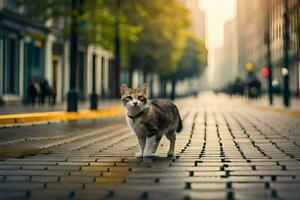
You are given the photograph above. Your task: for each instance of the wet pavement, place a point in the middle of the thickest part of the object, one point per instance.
(227, 150)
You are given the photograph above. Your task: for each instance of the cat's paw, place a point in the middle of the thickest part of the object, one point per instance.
(149, 154)
(138, 154)
(170, 154)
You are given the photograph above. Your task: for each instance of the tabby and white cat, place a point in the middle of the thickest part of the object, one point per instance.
(150, 120)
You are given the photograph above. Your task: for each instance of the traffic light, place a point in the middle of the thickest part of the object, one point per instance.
(265, 72)
(249, 67)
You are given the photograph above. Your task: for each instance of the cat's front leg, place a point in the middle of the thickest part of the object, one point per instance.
(150, 141)
(142, 141)
(151, 132)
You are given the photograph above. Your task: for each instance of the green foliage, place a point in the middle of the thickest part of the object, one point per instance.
(152, 32)
(46, 9)
(160, 41)
(101, 17)
(193, 60)
(96, 21)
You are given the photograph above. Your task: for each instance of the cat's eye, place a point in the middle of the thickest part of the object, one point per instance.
(141, 98)
(127, 99)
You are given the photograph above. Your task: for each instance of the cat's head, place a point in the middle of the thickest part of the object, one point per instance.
(135, 100)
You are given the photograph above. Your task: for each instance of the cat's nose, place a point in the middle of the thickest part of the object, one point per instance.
(134, 103)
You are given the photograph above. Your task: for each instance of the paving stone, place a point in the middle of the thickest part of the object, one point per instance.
(248, 186)
(249, 194)
(33, 172)
(64, 168)
(19, 186)
(2, 167)
(208, 186)
(44, 179)
(206, 194)
(73, 163)
(92, 194)
(223, 152)
(6, 195)
(288, 194)
(64, 185)
(76, 179)
(50, 194)
(86, 173)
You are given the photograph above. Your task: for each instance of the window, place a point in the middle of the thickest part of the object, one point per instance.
(10, 4)
(11, 66)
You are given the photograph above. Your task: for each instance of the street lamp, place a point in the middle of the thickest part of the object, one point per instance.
(117, 50)
(286, 59)
(72, 94)
(269, 57)
(94, 96)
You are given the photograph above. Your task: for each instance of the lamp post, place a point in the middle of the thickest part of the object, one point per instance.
(94, 96)
(286, 59)
(269, 58)
(72, 94)
(270, 68)
(117, 50)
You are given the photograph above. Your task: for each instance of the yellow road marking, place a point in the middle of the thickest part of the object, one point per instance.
(12, 119)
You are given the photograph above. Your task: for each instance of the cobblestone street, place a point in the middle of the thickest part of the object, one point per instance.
(227, 150)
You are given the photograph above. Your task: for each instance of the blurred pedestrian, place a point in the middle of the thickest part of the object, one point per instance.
(48, 93)
(237, 87)
(254, 88)
(34, 92)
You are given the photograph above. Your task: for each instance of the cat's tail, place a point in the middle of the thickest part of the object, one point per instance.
(179, 125)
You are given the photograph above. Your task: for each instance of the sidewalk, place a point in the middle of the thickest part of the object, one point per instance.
(20, 108)
(263, 102)
(28, 115)
(226, 150)
(277, 102)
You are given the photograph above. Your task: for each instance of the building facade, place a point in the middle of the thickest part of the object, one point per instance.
(251, 28)
(276, 25)
(33, 50)
(254, 19)
(197, 17)
(230, 59)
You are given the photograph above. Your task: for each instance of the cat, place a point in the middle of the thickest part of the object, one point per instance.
(150, 120)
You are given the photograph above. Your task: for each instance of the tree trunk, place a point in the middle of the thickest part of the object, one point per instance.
(151, 86)
(173, 92)
(130, 73)
(161, 92)
(163, 88)
(145, 73)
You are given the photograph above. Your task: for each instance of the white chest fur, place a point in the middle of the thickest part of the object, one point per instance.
(135, 126)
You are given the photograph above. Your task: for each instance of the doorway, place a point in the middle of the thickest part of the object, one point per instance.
(81, 75)
(10, 65)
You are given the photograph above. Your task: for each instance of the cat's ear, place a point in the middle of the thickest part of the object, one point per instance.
(143, 88)
(124, 88)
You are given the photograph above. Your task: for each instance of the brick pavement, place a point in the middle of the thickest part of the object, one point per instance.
(225, 151)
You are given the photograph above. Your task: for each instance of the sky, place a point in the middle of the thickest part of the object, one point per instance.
(217, 13)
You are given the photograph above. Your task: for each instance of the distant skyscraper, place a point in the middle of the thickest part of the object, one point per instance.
(218, 75)
(231, 51)
(197, 16)
(252, 24)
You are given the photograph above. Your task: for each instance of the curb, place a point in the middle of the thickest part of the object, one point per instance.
(281, 110)
(33, 118)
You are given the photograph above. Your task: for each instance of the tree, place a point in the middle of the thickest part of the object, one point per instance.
(192, 62)
(160, 40)
(96, 21)
(153, 33)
